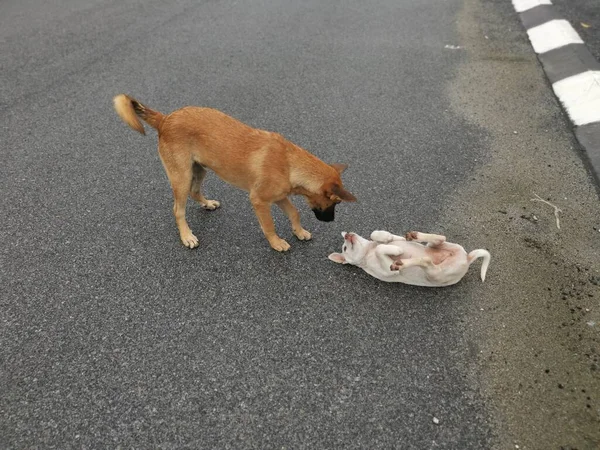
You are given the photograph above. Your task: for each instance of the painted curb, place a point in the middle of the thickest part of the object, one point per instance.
(571, 69)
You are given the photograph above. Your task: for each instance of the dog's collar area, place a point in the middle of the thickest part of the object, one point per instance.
(363, 262)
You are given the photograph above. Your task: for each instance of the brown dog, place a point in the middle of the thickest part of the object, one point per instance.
(265, 164)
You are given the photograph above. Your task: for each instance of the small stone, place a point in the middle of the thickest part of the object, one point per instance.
(436, 420)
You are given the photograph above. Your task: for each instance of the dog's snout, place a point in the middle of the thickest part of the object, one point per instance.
(325, 215)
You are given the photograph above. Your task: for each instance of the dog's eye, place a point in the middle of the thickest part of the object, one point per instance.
(344, 248)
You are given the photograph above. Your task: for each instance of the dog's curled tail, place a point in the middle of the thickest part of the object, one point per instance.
(480, 253)
(129, 109)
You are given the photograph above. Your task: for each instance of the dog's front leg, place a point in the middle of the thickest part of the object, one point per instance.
(385, 237)
(292, 213)
(384, 255)
(263, 212)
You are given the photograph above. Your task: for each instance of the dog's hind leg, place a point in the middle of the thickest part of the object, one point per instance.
(292, 213)
(434, 240)
(385, 254)
(198, 174)
(180, 175)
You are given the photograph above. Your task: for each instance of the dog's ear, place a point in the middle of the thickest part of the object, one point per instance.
(339, 167)
(338, 258)
(344, 234)
(343, 193)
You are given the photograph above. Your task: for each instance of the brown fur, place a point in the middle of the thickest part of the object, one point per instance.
(265, 164)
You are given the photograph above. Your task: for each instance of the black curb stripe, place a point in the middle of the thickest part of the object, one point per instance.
(538, 16)
(567, 61)
(589, 138)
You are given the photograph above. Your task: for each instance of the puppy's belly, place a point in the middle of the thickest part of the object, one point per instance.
(410, 275)
(413, 275)
(417, 276)
(438, 256)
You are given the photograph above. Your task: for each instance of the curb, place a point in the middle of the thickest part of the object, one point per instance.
(571, 69)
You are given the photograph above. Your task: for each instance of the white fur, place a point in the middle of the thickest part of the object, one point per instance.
(395, 259)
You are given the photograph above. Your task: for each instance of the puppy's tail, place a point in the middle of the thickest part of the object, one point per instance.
(130, 109)
(486, 260)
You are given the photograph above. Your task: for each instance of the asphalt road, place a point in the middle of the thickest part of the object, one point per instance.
(113, 334)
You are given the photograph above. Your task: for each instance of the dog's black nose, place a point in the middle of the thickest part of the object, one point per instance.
(325, 215)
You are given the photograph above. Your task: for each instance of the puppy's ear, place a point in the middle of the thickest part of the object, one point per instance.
(344, 234)
(339, 167)
(343, 193)
(338, 258)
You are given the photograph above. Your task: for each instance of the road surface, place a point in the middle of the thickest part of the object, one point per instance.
(114, 335)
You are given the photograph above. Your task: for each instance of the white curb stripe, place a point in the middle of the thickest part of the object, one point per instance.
(524, 5)
(551, 35)
(580, 95)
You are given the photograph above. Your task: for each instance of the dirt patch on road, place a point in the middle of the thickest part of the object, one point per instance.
(537, 317)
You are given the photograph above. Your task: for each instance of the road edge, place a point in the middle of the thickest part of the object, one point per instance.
(571, 69)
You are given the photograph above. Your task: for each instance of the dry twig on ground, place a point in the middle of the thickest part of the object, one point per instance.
(556, 208)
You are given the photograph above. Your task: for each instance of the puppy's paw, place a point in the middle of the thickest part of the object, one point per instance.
(381, 236)
(211, 205)
(303, 235)
(396, 266)
(189, 240)
(279, 244)
(412, 236)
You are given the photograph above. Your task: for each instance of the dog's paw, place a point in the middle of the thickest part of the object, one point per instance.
(303, 235)
(189, 240)
(279, 244)
(211, 205)
(412, 236)
(396, 266)
(383, 237)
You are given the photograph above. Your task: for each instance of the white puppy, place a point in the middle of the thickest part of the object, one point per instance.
(405, 260)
